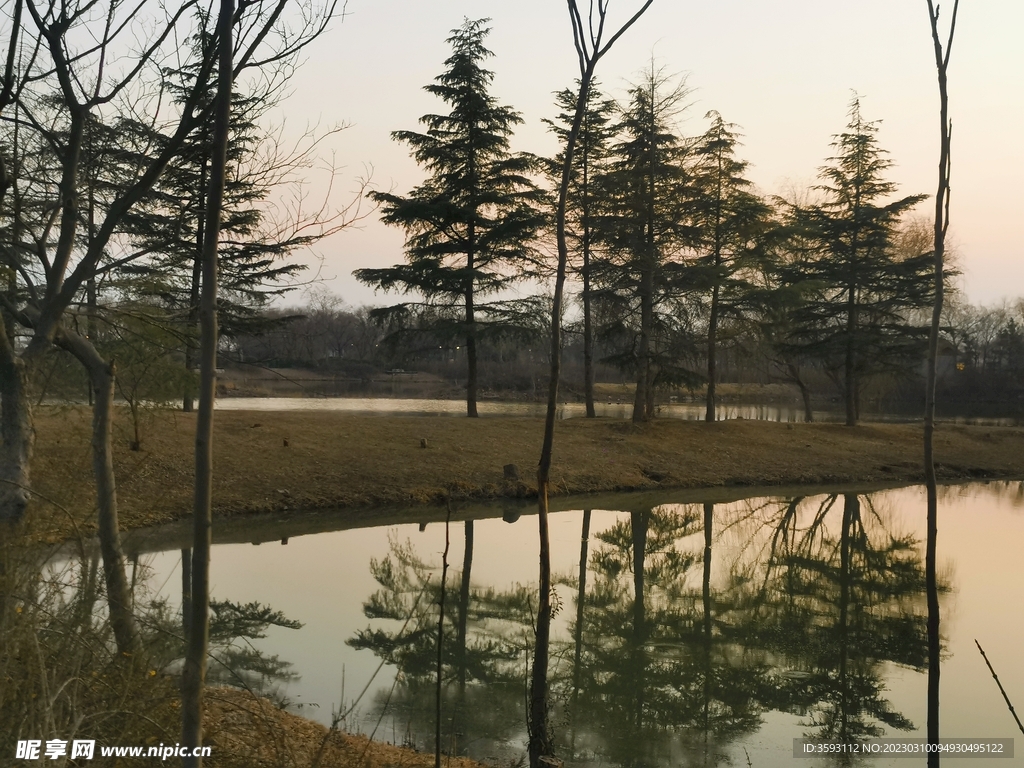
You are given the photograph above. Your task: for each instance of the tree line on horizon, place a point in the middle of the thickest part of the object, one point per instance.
(671, 244)
(682, 266)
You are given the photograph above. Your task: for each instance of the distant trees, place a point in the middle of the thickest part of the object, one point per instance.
(322, 334)
(470, 224)
(855, 292)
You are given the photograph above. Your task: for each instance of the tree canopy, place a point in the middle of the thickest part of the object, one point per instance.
(469, 226)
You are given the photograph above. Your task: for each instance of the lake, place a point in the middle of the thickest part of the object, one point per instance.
(390, 406)
(709, 634)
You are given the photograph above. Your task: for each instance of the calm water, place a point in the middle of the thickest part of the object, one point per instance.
(617, 410)
(709, 635)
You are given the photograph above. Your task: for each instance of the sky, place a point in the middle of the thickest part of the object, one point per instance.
(783, 70)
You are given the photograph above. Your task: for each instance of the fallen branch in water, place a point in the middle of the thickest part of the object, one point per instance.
(996, 678)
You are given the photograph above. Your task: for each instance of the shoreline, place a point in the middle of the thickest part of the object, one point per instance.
(364, 467)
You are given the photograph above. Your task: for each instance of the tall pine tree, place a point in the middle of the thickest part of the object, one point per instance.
(589, 162)
(469, 225)
(647, 234)
(858, 291)
(253, 245)
(731, 219)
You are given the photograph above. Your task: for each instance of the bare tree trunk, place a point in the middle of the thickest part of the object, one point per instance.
(941, 226)
(709, 411)
(850, 364)
(588, 39)
(588, 319)
(17, 437)
(194, 673)
(471, 364)
(643, 376)
(119, 598)
(588, 337)
(101, 379)
(188, 399)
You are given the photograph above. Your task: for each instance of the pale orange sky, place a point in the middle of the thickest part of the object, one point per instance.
(784, 70)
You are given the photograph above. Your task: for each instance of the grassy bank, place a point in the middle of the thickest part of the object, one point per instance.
(284, 462)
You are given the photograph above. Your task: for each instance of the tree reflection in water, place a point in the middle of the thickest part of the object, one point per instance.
(689, 624)
(63, 676)
(831, 604)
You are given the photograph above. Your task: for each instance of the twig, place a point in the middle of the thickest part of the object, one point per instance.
(340, 715)
(1001, 690)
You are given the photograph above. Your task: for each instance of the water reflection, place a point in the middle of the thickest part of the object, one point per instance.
(664, 657)
(63, 677)
(686, 634)
(838, 596)
(620, 409)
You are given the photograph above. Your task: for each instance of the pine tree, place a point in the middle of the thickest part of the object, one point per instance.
(469, 225)
(589, 162)
(857, 290)
(647, 233)
(251, 251)
(732, 220)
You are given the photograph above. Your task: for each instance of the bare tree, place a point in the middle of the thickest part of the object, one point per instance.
(588, 32)
(72, 70)
(941, 227)
(194, 674)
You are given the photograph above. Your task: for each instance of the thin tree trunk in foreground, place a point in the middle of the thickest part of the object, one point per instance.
(119, 598)
(941, 225)
(101, 382)
(194, 674)
(587, 38)
(17, 437)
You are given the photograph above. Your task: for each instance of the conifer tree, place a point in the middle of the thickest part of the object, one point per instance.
(589, 162)
(647, 232)
(731, 219)
(858, 292)
(469, 225)
(171, 224)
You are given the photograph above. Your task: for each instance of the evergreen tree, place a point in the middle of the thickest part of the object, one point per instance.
(857, 291)
(469, 225)
(589, 162)
(647, 232)
(732, 220)
(171, 225)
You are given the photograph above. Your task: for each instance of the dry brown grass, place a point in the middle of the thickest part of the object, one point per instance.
(244, 731)
(277, 462)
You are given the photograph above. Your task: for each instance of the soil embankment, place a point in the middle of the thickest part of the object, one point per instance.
(286, 462)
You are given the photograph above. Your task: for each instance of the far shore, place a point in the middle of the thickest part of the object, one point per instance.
(360, 470)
